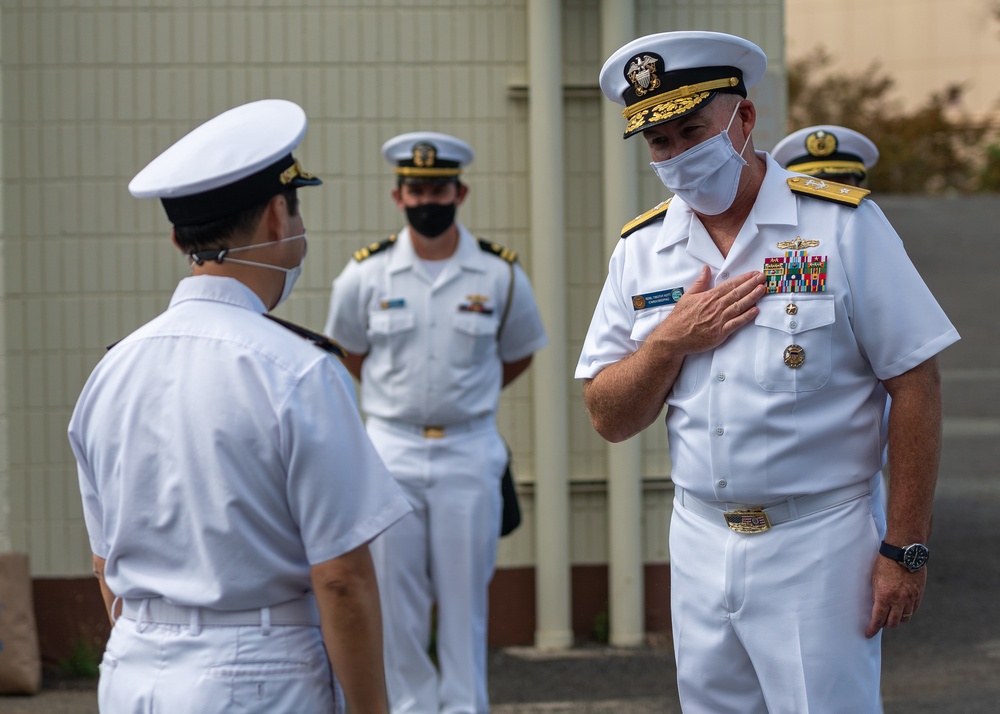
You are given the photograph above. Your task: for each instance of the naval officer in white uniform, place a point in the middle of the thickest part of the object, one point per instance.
(435, 322)
(229, 488)
(771, 313)
(828, 151)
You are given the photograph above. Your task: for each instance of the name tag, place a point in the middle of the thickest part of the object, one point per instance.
(392, 303)
(657, 299)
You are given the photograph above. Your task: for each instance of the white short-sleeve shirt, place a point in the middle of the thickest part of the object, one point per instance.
(220, 456)
(745, 425)
(433, 353)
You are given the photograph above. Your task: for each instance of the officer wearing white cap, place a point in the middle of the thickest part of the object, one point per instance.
(830, 152)
(435, 322)
(751, 305)
(229, 488)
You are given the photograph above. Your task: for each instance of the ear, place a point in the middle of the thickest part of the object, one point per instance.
(460, 194)
(275, 218)
(747, 115)
(397, 198)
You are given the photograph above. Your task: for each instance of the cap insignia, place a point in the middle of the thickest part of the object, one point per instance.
(642, 74)
(293, 171)
(821, 143)
(424, 155)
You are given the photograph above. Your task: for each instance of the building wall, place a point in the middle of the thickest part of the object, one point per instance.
(924, 45)
(93, 91)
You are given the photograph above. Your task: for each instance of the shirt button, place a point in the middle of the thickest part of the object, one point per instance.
(719, 430)
(793, 324)
(722, 483)
(721, 377)
(724, 276)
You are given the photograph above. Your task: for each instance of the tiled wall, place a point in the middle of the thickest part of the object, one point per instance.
(92, 90)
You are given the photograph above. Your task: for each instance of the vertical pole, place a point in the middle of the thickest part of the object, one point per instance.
(620, 186)
(549, 371)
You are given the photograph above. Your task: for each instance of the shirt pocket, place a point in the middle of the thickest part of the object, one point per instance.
(647, 321)
(388, 333)
(474, 338)
(802, 337)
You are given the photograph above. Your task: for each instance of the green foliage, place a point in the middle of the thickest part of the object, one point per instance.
(989, 177)
(83, 659)
(928, 150)
(602, 627)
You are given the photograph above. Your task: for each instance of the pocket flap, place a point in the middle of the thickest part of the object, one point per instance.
(811, 312)
(390, 322)
(647, 321)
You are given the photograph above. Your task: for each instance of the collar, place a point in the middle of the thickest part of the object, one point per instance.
(216, 288)
(467, 255)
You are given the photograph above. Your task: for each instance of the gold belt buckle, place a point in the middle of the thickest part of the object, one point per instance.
(433, 432)
(753, 520)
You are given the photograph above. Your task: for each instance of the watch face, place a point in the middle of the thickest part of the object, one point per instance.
(915, 556)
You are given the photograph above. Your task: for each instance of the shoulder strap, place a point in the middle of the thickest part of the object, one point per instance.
(655, 213)
(828, 190)
(511, 257)
(498, 250)
(321, 341)
(373, 248)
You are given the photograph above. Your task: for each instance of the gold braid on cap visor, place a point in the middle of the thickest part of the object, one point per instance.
(408, 171)
(813, 168)
(673, 103)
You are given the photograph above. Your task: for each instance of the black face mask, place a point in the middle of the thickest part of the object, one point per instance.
(431, 219)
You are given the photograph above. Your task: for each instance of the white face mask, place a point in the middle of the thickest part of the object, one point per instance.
(705, 176)
(291, 274)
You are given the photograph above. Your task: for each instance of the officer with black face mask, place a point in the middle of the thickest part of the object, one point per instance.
(435, 322)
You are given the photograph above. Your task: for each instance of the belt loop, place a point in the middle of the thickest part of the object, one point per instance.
(140, 619)
(265, 621)
(115, 606)
(793, 512)
(194, 623)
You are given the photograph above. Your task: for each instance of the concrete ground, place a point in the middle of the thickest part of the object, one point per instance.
(947, 660)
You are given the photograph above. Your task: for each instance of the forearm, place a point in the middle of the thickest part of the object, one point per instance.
(512, 370)
(106, 594)
(914, 452)
(351, 621)
(626, 397)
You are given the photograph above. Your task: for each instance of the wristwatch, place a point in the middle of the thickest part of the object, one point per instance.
(912, 557)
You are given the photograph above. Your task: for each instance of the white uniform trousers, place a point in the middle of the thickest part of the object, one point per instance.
(149, 668)
(443, 552)
(773, 622)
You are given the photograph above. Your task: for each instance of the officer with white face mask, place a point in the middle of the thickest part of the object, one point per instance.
(229, 488)
(773, 314)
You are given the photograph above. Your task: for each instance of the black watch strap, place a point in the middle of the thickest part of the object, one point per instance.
(913, 557)
(891, 552)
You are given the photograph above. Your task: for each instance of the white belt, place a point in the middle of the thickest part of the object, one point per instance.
(300, 612)
(436, 431)
(782, 512)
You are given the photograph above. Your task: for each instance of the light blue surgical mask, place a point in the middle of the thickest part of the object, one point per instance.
(706, 176)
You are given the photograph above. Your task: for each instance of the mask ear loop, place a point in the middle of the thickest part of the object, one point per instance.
(733, 117)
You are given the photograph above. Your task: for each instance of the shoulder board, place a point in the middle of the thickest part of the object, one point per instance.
(498, 250)
(828, 190)
(373, 248)
(655, 213)
(321, 341)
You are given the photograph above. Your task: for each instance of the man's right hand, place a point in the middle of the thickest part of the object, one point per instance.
(704, 317)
